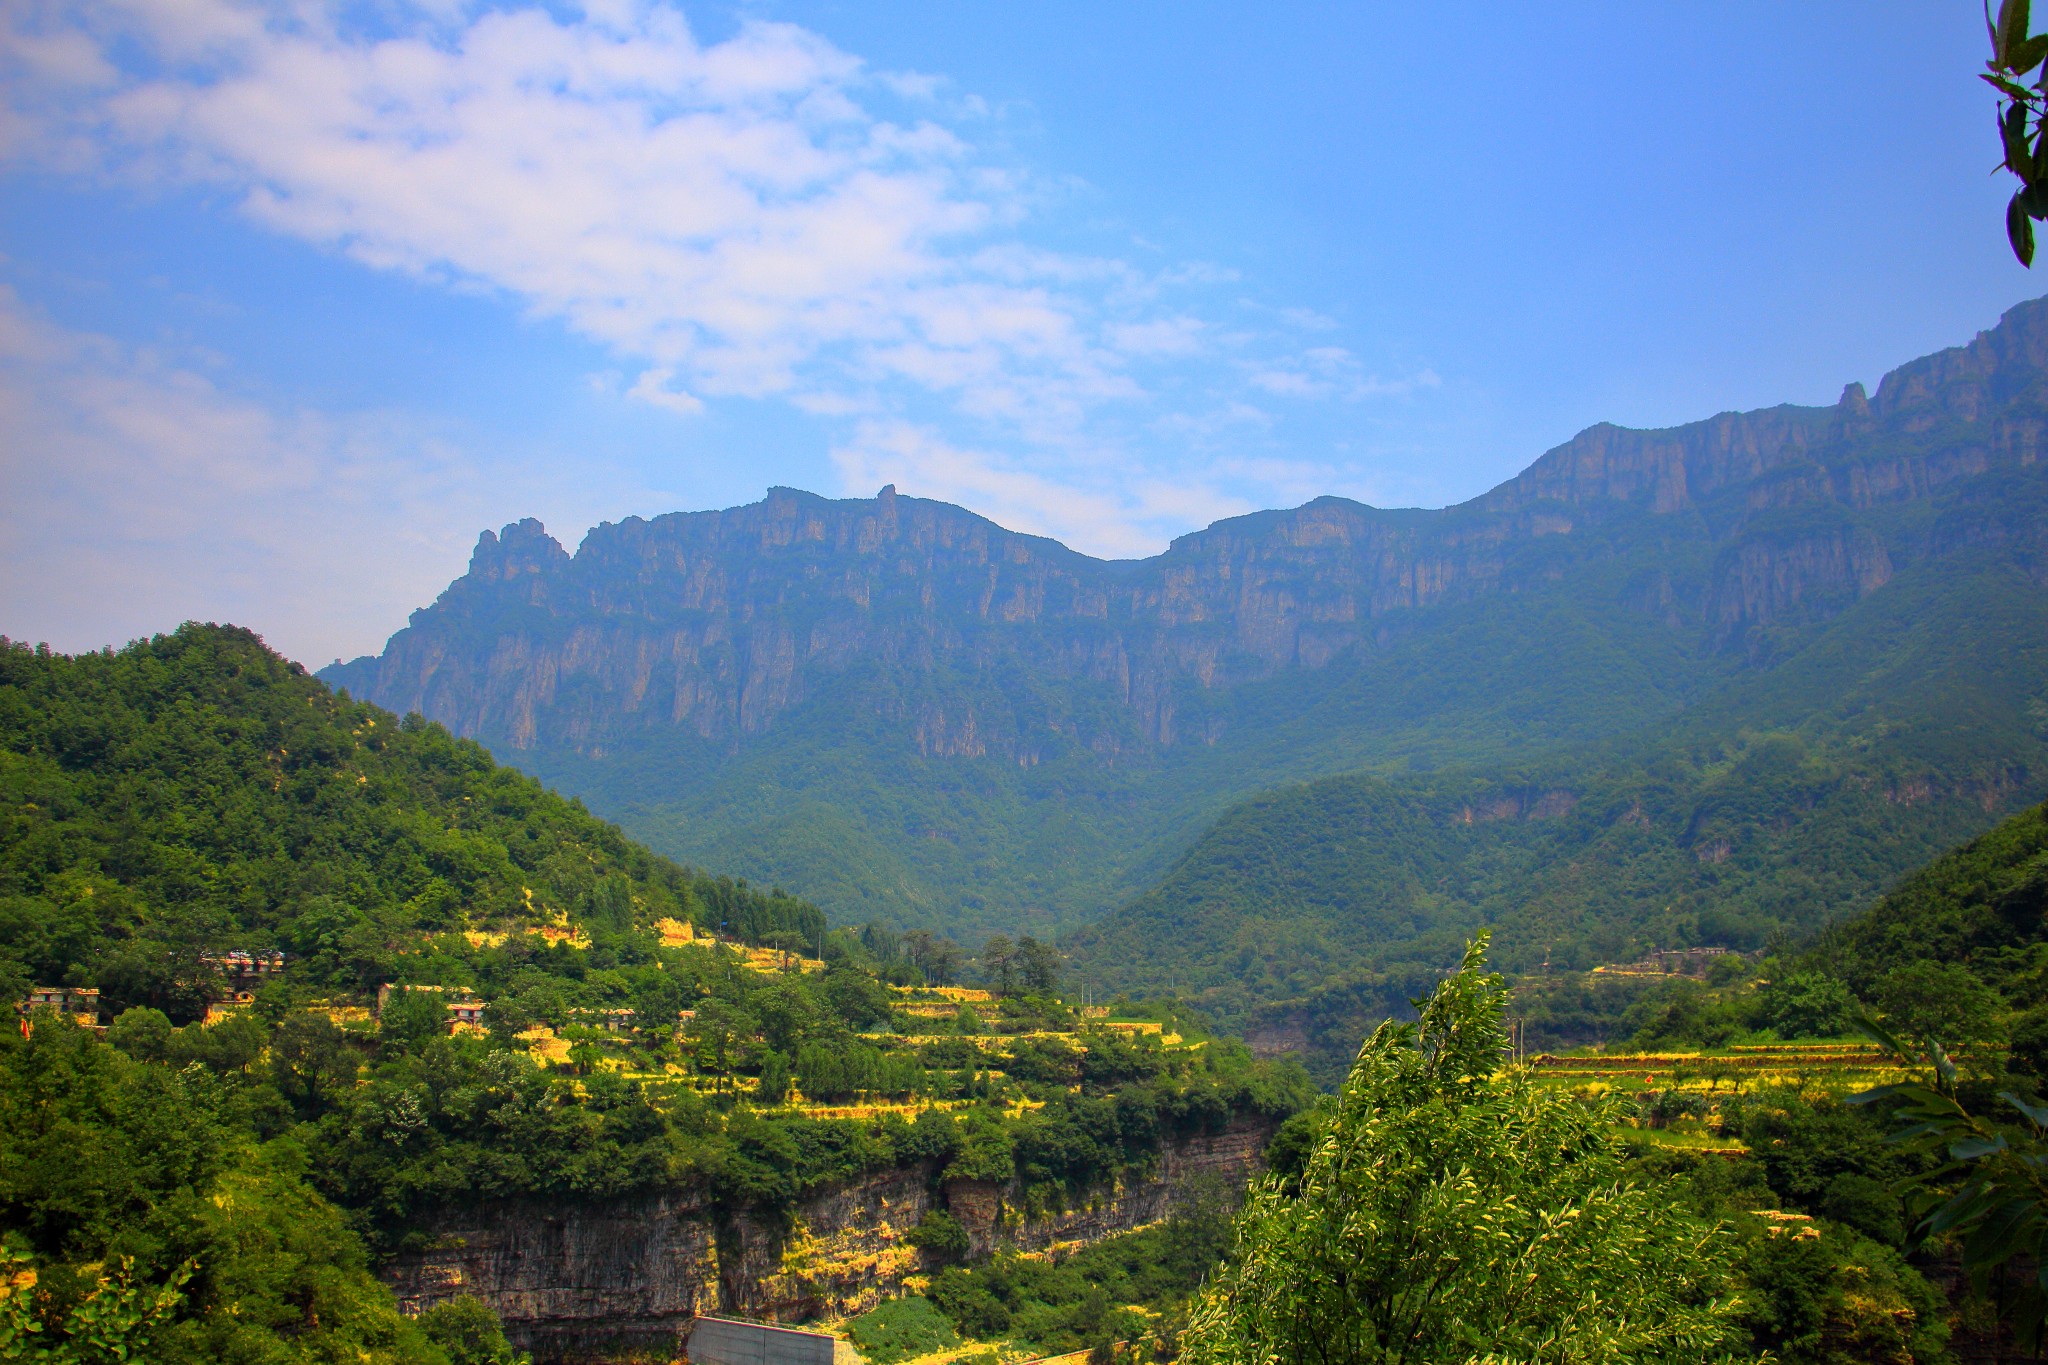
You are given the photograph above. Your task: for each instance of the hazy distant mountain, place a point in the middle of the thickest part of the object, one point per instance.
(902, 710)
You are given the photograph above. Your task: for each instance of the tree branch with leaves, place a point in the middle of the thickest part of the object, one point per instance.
(1988, 1187)
(1452, 1211)
(2022, 119)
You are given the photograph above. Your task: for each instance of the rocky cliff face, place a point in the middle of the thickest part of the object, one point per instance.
(907, 713)
(719, 624)
(596, 1281)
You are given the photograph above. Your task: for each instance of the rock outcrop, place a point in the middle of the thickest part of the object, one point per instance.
(719, 624)
(909, 714)
(578, 1281)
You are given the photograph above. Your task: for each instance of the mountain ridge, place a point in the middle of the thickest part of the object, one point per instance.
(921, 674)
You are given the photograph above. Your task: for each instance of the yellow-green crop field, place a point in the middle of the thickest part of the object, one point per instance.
(1832, 1068)
(1711, 1075)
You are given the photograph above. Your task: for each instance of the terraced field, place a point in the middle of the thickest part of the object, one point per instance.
(1831, 1067)
(1677, 1094)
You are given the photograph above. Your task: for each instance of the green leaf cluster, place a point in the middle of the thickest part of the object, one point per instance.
(2015, 55)
(145, 1219)
(1452, 1211)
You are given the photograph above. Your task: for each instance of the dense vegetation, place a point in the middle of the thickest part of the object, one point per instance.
(233, 1180)
(168, 1213)
(1451, 1209)
(1128, 1288)
(1872, 593)
(1956, 952)
(1948, 966)
(197, 791)
(1790, 798)
(1983, 907)
(223, 1191)
(1445, 1204)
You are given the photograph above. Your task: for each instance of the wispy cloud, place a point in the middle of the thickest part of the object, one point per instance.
(762, 217)
(1333, 372)
(1106, 510)
(140, 493)
(653, 387)
(735, 213)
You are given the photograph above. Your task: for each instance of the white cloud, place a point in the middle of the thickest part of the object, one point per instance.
(1332, 371)
(1372, 386)
(1165, 336)
(1225, 421)
(730, 212)
(138, 493)
(1100, 511)
(1308, 319)
(760, 217)
(653, 387)
(1289, 383)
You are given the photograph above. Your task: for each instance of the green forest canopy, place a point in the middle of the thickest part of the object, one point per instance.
(194, 794)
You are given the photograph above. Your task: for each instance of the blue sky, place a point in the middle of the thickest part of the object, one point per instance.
(296, 299)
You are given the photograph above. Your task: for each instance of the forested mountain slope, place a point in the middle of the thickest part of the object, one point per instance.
(1983, 906)
(196, 792)
(1786, 798)
(903, 711)
(214, 1172)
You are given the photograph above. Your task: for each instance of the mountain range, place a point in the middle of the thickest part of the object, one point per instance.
(1666, 687)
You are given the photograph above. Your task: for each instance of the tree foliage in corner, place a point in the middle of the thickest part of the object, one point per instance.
(1985, 1186)
(1452, 1211)
(2023, 120)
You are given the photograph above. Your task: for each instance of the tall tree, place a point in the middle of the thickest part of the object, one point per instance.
(1453, 1212)
(999, 963)
(1038, 964)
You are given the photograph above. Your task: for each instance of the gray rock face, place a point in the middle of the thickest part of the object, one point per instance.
(909, 714)
(718, 624)
(597, 1281)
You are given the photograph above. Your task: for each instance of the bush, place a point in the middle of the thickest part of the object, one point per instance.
(1938, 1002)
(984, 1152)
(1867, 1205)
(900, 1329)
(2029, 1055)
(469, 1332)
(939, 1236)
(142, 1033)
(1806, 1005)
(1682, 1014)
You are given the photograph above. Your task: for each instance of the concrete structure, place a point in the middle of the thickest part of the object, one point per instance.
(728, 1341)
(219, 1011)
(611, 1021)
(80, 1002)
(245, 969)
(465, 1011)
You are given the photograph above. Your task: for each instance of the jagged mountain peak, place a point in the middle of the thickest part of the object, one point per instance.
(680, 645)
(719, 622)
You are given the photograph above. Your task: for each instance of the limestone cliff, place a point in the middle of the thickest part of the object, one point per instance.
(718, 624)
(907, 713)
(594, 1281)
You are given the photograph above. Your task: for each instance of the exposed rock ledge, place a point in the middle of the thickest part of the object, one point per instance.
(621, 1279)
